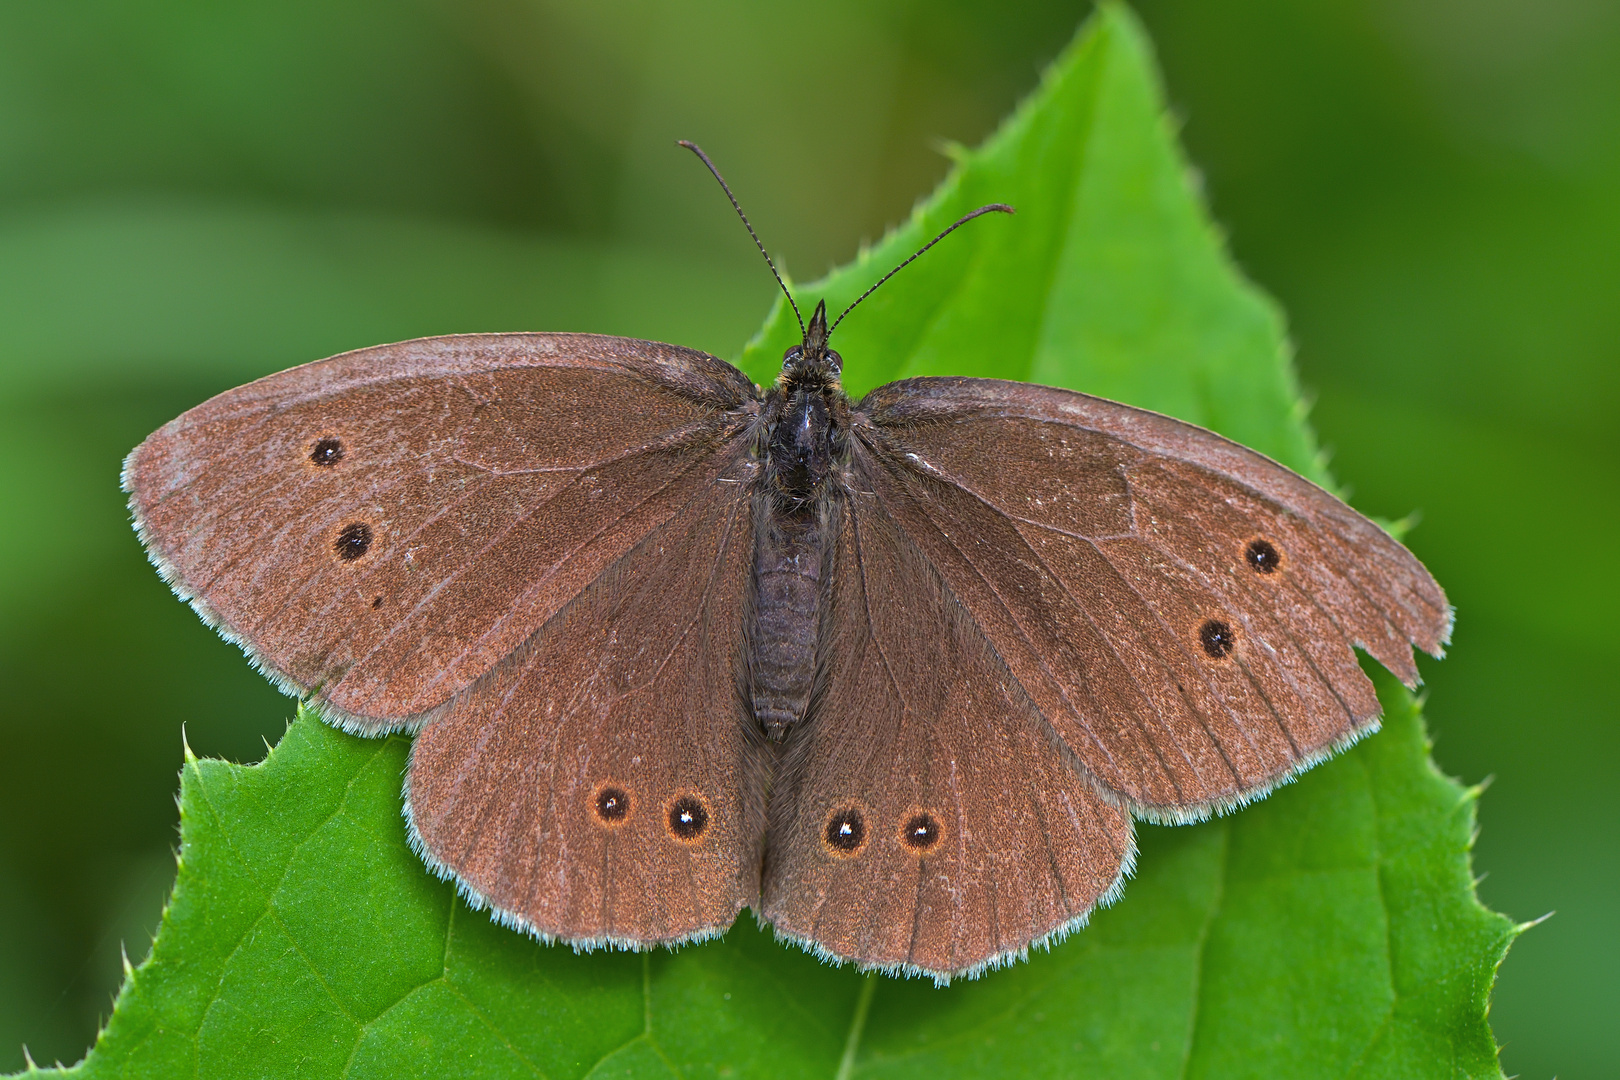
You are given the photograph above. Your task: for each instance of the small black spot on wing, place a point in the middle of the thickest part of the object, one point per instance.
(920, 833)
(353, 541)
(1217, 638)
(611, 804)
(845, 832)
(688, 819)
(326, 452)
(1263, 557)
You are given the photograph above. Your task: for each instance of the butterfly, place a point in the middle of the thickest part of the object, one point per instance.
(896, 673)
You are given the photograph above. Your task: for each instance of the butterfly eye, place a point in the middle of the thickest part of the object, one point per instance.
(1217, 638)
(327, 452)
(1262, 557)
(846, 832)
(353, 542)
(921, 833)
(612, 804)
(688, 819)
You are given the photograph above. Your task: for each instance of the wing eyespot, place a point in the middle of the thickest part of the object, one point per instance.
(921, 833)
(845, 833)
(1218, 639)
(611, 804)
(326, 452)
(688, 819)
(353, 541)
(1263, 556)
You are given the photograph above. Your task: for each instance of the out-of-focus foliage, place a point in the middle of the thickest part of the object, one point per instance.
(194, 194)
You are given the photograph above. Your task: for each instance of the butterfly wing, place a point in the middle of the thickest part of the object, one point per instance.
(925, 818)
(379, 529)
(1181, 610)
(601, 785)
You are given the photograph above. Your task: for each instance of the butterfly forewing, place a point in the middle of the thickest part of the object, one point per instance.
(925, 818)
(383, 527)
(1180, 609)
(603, 785)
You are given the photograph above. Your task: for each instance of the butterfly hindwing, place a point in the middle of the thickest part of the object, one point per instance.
(924, 818)
(602, 784)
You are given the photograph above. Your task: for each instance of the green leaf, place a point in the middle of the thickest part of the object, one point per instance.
(1330, 930)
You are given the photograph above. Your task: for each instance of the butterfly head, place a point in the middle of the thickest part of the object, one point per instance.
(811, 361)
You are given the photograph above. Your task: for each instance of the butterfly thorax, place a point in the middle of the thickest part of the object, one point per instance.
(803, 438)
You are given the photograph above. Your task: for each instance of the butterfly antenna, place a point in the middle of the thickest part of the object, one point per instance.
(698, 150)
(1001, 208)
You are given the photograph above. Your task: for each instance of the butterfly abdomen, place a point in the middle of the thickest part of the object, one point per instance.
(789, 564)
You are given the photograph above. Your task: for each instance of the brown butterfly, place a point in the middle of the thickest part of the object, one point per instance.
(895, 673)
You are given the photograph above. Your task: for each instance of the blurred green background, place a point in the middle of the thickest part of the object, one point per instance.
(195, 194)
